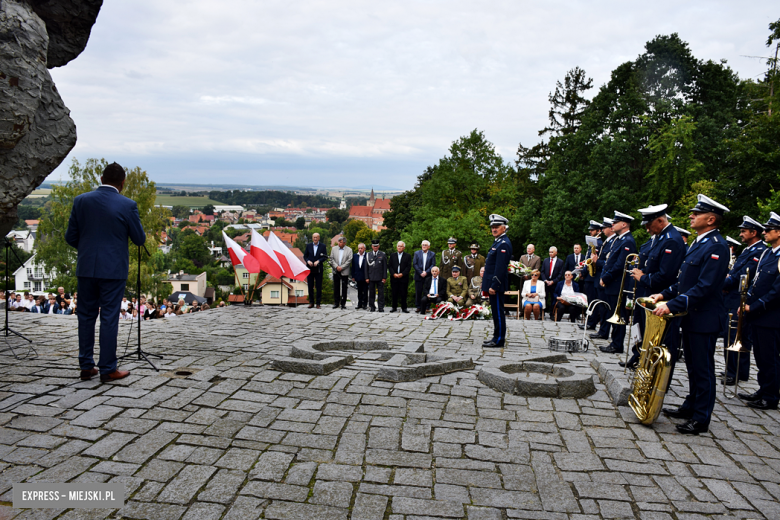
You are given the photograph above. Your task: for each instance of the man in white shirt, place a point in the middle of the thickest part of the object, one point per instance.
(435, 291)
(341, 261)
(359, 270)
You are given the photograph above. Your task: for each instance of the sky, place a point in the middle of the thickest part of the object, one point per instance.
(354, 94)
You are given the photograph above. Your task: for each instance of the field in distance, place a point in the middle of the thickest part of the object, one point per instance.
(168, 200)
(39, 193)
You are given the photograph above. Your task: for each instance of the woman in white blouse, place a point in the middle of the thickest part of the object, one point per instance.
(533, 296)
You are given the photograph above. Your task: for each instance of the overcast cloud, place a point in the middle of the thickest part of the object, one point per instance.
(345, 93)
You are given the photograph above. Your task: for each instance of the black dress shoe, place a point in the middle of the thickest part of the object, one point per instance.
(492, 344)
(721, 373)
(730, 381)
(343, 306)
(755, 396)
(581, 326)
(762, 404)
(372, 310)
(393, 310)
(405, 311)
(591, 328)
(677, 413)
(381, 310)
(336, 306)
(692, 427)
(597, 336)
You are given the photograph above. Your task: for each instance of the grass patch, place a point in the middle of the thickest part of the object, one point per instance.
(168, 200)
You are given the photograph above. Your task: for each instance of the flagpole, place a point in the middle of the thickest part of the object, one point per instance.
(235, 276)
(254, 288)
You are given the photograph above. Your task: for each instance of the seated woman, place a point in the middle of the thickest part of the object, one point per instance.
(566, 288)
(183, 306)
(533, 297)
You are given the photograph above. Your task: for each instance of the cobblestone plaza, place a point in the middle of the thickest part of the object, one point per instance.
(236, 439)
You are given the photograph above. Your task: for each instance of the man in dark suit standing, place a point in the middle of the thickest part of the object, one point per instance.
(360, 275)
(422, 263)
(574, 259)
(100, 224)
(398, 265)
(552, 273)
(315, 257)
(699, 292)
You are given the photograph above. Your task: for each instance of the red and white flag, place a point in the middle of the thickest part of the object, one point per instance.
(293, 268)
(265, 255)
(240, 257)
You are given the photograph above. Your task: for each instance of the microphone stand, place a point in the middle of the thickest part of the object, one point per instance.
(6, 329)
(142, 356)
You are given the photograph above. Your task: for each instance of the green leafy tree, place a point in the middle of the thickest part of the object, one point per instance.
(193, 248)
(300, 223)
(337, 215)
(364, 236)
(208, 209)
(180, 211)
(352, 228)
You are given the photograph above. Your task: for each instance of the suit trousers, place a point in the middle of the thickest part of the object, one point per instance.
(418, 292)
(340, 284)
(619, 331)
(362, 290)
(699, 352)
(315, 281)
(400, 289)
(104, 297)
(426, 301)
(747, 343)
(767, 361)
(376, 289)
(499, 319)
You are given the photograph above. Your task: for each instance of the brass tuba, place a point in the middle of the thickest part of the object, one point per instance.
(655, 365)
(632, 261)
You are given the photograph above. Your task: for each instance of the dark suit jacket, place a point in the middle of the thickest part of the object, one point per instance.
(100, 223)
(557, 274)
(417, 263)
(559, 288)
(441, 288)
(321, 256)
(358, 272)
(571, 264)
(392, 264)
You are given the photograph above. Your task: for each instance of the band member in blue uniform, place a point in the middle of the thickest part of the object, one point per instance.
(612, 276)
(762, 311)
(589, 282)
(495, 282)
(750, 234)
(601, 312)
(684, 233)
(699, 292)
(660, 268)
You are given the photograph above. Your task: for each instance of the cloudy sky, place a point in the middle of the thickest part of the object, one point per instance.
(350, 94)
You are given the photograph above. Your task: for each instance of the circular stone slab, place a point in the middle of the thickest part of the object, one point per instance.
(536, 377)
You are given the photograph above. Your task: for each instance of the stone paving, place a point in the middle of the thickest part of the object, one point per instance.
(236, 439)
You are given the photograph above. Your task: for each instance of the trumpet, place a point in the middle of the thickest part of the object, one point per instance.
(632, 261)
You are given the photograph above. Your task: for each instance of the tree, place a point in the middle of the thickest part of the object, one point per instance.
(352, 228)
(193, 248)
(300, 223)
(337, 215)
(52, 250)
(208, 209)
(364, 236)
(180, 211)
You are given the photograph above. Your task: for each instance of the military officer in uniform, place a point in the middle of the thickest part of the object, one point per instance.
(457, 288)
(475, 289)
(750, 234)
(762, 310)
(495, 281)
(660, 263)
(588, 281)
(449, 258)
(699, 292)
(684, 233)
(612, 276)
(377, 275)
(600, 259)
(473, 262)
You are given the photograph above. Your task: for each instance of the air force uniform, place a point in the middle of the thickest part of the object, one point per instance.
(601, 313)
(747, 260)
(698, 292)
(613, 276)
(497, 278)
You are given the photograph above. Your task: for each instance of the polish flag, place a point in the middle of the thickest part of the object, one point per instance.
(240, 257)
(265, 255)
(293, 268)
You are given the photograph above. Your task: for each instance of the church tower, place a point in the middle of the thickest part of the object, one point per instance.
(371, 199)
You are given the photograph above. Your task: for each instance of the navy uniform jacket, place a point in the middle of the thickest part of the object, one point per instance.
(586, 277)
(613, 271)
(764, 294)
(604, 253)
(496, 264)
(699, 287)
(100, 223)
(663, 262)
(748, 259)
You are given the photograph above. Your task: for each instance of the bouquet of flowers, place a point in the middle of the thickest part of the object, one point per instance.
(444, 309)
(578, 299)
(473, 312)
(518, 269)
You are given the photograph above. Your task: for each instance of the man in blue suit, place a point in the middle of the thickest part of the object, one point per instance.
(360, 275)
(762, 310)
(100, 224)
(750, 233)
(422, 263)
(660, 262)
(315, 257)
(495, 282)
(612, 276)
(699, 292)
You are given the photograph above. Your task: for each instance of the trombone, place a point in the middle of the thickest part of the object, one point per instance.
(632, 261)
(737, 345)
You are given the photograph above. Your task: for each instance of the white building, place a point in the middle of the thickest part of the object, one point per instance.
(194, 283)
(220, 209)
(31, 277)
(24, 240)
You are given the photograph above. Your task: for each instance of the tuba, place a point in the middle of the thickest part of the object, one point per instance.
(655, 365)
(632, 261)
